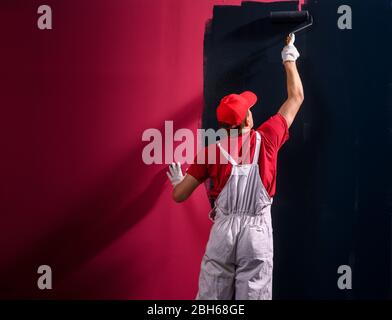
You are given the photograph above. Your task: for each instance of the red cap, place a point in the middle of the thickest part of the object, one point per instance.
(233, 108)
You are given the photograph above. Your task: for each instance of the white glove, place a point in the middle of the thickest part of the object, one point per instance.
(290, 52)
(175, 173)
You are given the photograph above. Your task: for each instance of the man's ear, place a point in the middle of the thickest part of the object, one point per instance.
(248, 119)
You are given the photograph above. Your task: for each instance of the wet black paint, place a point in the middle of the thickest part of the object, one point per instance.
(334, 194)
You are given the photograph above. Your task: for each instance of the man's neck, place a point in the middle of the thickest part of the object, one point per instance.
(238, 132)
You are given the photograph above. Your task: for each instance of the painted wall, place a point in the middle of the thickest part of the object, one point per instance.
(333, 184)
(75, 193)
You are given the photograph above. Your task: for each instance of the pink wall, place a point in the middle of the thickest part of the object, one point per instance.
(75, 194)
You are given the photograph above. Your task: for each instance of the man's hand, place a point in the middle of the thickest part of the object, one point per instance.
(183, 186)
(175, 173)
(290, 52)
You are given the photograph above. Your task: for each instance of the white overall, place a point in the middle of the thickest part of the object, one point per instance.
(238, 260)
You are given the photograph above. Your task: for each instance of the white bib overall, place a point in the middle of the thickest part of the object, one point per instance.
(238, 260)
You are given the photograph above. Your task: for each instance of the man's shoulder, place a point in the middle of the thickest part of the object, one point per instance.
(276, 120)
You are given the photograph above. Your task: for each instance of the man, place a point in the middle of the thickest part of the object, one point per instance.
(239, 255)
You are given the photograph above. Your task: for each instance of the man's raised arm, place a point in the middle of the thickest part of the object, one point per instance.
(295, 93)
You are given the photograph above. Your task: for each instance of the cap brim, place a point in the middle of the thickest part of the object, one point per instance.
(250, 97)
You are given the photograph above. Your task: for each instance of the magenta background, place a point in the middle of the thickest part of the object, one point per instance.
(74, 192)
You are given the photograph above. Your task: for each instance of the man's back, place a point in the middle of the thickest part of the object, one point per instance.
(274, 133)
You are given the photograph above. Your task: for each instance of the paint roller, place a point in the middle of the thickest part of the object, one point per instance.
(303, 18)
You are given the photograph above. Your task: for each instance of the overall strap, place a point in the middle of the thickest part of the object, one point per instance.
(257, 150)
(226, 155)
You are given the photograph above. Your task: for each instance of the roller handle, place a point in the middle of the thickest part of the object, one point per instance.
(289, 16)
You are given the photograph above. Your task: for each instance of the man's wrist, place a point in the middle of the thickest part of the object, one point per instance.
(289, 62)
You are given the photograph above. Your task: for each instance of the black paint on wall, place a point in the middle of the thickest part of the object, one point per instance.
(334, 194)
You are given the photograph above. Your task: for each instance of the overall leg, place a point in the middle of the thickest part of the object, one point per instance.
(253, 279)
(216, 280)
